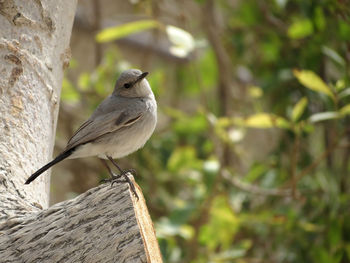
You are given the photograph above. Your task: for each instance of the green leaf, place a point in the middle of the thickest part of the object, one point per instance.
(344, 93)
(208, 69)
(345, 110)
(319, 19)
(184, 158)
(255, 92)
(116, 32)
(216, 231)
(166, 228)
(311, 81)
(344, 30)
(68, 92)
(229, 255)
(300, 28)
(263, 121)
(332, 54)
(323, 116)
(299, 109)
(84, 81)
(196, 124)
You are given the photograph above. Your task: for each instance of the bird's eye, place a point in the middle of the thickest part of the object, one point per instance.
(127, 85)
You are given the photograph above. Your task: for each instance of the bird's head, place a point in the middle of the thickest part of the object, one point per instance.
(132, 83)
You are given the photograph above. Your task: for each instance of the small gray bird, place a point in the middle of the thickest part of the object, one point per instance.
(120, 125)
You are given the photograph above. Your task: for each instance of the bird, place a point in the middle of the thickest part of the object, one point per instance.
(119, 126)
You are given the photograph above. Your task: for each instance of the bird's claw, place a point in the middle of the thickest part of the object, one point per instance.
(116, 179)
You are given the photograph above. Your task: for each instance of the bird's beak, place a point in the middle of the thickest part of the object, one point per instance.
(141, 77)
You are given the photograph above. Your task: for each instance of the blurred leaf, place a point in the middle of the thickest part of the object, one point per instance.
(322, 255)
(156, 80)
(182, 212)
(184, 158)
(263, 121)
(340, 85)
(281, 3)
(68, 92)
(319, 19)
(300, 28)
(269, 179)
(332, 54)
(323, 116)
(84, 81)
(249, 14)
(229, 255)
(335, 233)
(191, 125)
(235, 134)
(310, 227)
(223, 122)
(166, 228)
(299, 109)
(270, 48)
(211, 166)
(344, 30)
(347, 249)
(345, 110)
(311, 81)
(208, 69)
(255, 172)
(183, 42)
(344, 93)
(73, 63)
(255, 92)
(116, 32)
(174, 113)
(221, 227)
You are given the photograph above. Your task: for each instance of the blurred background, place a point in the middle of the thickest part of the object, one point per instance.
(250, 159)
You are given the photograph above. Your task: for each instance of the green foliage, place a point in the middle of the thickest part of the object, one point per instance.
(288, 144)
(116, 32)
(221, 216)
(300, 28)
(311, 81)
(68, 92)
(299, 109)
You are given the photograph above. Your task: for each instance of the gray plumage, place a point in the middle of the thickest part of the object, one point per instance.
(120, 125)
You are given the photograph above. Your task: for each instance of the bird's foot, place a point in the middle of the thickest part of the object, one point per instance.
(123, 178)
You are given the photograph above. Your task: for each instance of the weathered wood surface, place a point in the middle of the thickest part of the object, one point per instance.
(105, 224)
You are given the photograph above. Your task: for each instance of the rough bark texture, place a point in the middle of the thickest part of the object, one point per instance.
(34, 50)
(105, 224)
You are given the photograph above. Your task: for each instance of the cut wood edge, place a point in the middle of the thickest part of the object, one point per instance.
(146, 226)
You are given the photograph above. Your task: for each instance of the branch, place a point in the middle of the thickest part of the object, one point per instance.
(253, 188)
(314, 164)
(105, 224)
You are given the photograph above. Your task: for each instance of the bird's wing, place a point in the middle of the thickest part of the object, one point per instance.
(98, 126)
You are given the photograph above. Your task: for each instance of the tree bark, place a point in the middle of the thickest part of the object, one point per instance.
(34, 50)
(105, 224)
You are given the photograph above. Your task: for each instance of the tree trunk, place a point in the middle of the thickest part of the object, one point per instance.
(34, 50)
(105, 224)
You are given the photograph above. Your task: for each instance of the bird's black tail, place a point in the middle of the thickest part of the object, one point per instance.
(59, 158)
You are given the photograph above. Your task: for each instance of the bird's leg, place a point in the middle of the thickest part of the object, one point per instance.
(115, 164)
(113, 175)
(132, 171)
(116, 178)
